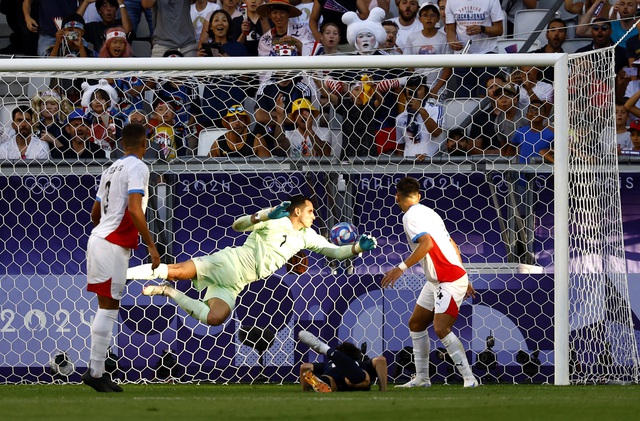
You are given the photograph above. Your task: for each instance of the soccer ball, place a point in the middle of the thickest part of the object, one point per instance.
(60, 364)
(343, 233)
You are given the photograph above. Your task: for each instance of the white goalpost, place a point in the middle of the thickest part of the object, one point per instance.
(543, 243)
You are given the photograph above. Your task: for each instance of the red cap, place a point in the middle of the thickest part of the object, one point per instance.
(635, 125)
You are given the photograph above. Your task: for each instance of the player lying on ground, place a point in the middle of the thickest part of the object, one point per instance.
(346, 371)
(276, 235)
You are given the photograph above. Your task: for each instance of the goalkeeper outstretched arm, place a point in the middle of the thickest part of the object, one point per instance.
(365, 243)
(246, 222)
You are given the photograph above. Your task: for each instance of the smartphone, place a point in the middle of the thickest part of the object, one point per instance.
(598, 9)
(631, 71)
(213, 49)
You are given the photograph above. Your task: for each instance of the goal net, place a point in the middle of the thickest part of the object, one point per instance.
(542, 242)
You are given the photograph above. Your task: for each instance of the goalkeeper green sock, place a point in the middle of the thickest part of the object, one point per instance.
(196, 308)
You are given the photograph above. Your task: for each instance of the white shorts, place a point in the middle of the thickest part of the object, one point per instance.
(444, 297)
(107, 265)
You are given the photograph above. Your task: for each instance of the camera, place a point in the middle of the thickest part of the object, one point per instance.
(72, 35)
(213, 49)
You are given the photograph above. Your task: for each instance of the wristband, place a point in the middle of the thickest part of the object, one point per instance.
(482, 29)
(122, 6)
(402, 266)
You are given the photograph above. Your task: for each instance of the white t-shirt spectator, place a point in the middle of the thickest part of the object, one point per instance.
(477, 12)
(414, 134)
(37, 149)
(417, 43)
(199, 18)
(405, 31)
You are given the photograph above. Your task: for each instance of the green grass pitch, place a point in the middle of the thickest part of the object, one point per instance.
(287, 402)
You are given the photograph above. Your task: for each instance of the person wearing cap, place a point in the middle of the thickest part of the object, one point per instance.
(418, 128)
(172, 27)
(238, 141)
(94, 32)
(407, 21)
(601, 38)
(285, 35)
(430, 41)
(634, 132)
(45, 25)
(24, 144)
(69, 41)
(76, 143)
(304, 141)
(51, 111)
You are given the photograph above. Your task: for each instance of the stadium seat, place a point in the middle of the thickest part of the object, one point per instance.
(513, 45)
(141, 48)
(571, 45)
(527, 20)
(206, 139)
(456, 111)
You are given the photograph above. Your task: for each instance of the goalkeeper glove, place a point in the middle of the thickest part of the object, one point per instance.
(366, 243)
(279, 211)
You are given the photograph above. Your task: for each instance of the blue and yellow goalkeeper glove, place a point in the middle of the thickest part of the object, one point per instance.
(366, 243)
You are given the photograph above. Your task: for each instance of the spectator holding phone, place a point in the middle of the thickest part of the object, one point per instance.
(217, 41)
(253, 26)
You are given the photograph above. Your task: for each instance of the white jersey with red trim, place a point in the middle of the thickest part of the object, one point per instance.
(125, 176)
(441, 264)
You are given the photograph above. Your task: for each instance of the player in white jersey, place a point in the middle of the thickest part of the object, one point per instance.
(446, 287)
(276, 235)
(118, 217)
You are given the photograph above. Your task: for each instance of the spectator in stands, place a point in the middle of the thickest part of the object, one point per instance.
(390, 46)
(172, 28)
(430, 41)
(239, 141)
(601, 38)
(172, 137)
(358, 96)
(24, 144)
(407, 22)
(115, 44)
(200, 12)
(253, 26)
(530, 140)
(582, 7)
(218, 40)
(632, 97)
(135, 11)
(76, 144)
(510, 116)
(458, 144)
(634, 133)
(94, 32)
(153, 151)
(329, 39)
(442, 6)
(304, 140)
(419, 133)
(285, 34)
(556, 36)
(325, 11)
(21, 40)
(621, 20)
(623, 137)
(69, 41)
(51, 113)
(479, 24)
(232, 7)
(45, 25)
(483, 130)
(100, 104)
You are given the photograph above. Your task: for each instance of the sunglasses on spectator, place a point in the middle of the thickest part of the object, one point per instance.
(600, 28)
(236, 109)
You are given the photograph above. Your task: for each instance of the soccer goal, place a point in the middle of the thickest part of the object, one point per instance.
(541, 236)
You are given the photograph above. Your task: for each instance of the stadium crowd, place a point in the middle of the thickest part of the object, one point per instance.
(370, 113)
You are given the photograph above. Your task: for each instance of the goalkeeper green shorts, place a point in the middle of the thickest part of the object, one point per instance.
(220, 275)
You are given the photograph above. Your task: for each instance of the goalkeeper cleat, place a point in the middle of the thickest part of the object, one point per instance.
(160, 289)
(99, 384)
(313, 342)
(471, 382)
(416, 382)
(317, 384)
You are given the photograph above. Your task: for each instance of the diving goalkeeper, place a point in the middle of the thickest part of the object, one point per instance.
(276, 235)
